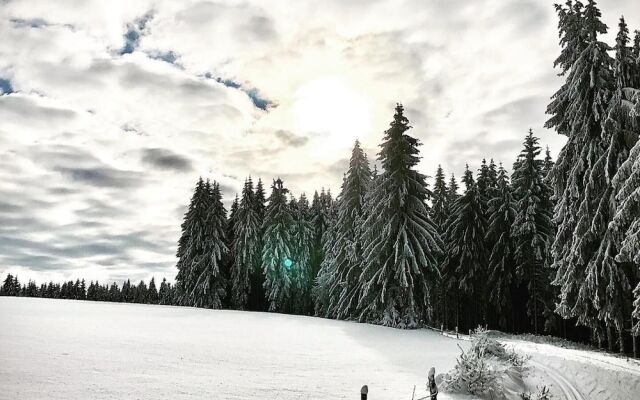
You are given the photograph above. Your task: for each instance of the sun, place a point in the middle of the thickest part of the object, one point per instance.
(332, 108)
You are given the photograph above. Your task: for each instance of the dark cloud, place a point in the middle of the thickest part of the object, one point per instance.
(166, 159)
(30, 23)
(19, 108)
(290, 138)
(102, 176)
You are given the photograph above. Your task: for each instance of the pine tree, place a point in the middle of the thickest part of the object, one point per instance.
(245, 247)
(466, 255)
(341, 267)
(142, 293)
(502, 214)
(189, 244)
(400, 241)
(277, 250)
(302, 236)
(532, 229)
(577, 110)
(440, 204)
(152, 292)
(163, 293)
(209, 288)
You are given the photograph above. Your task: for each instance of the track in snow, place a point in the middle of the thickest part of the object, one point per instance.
(568, 389)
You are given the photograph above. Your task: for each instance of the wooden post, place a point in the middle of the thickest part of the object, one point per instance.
(364, 392)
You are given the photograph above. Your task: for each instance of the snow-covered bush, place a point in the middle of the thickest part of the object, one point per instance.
(481, 369)
(542, 394)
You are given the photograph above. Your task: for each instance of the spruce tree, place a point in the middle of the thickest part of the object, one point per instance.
(440, 204)
(246, 251)
(302, 237)
(466, 256)
(278, 250)
(577, 110)
(400, 241)
(189, 244)
(152, 292)
(532, 229)
(502, 214)
(209, 287)
(257, 297)
(341, 267)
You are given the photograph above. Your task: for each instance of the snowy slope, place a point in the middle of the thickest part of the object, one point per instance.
(64, 349)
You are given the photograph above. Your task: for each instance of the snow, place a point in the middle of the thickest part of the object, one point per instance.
(69, 349)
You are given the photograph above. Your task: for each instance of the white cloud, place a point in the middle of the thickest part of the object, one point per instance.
(99, 150)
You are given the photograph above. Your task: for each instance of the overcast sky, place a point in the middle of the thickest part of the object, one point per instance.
(110, 110)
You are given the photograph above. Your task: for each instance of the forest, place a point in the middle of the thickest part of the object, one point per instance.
(542, 246)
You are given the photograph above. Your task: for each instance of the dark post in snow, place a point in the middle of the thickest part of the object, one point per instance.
(364, 392)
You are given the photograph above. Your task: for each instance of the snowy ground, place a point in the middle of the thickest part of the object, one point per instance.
(63, 349)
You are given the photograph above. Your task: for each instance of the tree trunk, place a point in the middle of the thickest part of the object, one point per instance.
(609, 339)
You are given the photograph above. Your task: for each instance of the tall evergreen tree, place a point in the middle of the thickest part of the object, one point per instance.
(152, 292)
(245, 247)
(502, 215)
(577, 110)
(466, 256)
(302, 235)
(400, 241)
(278, 250)
(532, 229)
(440, 204)
(342, 264)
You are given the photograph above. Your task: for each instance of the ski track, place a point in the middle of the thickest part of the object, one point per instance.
(568, 389)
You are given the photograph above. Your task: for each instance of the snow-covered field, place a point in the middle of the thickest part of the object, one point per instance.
(64, 349)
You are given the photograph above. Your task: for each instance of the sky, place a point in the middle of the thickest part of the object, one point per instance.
(110, 111)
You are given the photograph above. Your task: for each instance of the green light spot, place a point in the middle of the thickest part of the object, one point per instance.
(287, 262)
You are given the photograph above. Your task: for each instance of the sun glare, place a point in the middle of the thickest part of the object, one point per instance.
(331, 108)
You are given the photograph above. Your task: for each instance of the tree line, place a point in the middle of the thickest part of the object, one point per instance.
(550, 247)
(78, 290)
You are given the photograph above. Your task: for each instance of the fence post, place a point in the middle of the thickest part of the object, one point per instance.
(364, 392)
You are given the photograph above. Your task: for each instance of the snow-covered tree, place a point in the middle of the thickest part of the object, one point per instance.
(164, 293)
(190, 242)
(201, 278)
(246, 246)
(342, 264)
(277, 251)
(400, 242)
(466, 257)
(577, 111)
(152, 292)
(302, 237)
(440, 203)
(532, 229)
(502, 214)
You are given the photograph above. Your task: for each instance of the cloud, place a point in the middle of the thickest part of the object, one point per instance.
(166, 159)
(290, 138)
(108, 120)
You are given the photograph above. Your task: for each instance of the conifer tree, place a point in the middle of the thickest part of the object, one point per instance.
(152, 292)
(278, 249)
(532, 229)
(257, 297)
(341, 267)
(466, 256)
(577, 110)
(189, 244)
(245, 246)
(440, 204)
(502, 214)
(302, 237)
(209, 288)
(400, 241)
